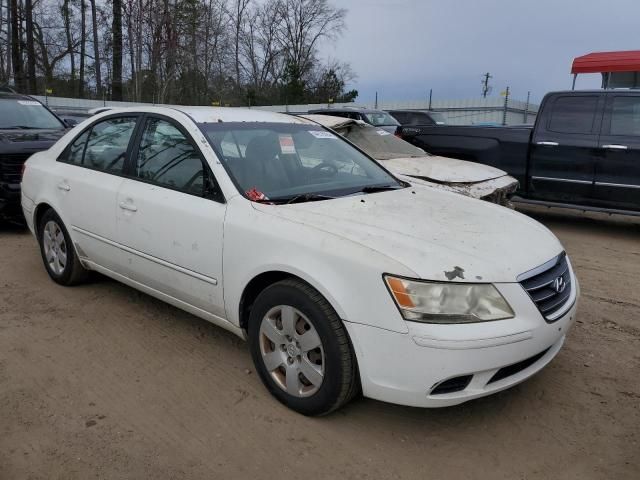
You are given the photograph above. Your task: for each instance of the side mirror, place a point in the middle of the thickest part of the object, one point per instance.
(70, 122)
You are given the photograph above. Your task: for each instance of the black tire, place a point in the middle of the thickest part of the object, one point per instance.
(340, 382)
(73, 272)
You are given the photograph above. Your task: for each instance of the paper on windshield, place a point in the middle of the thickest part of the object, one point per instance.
(287, 147)
(31, 103)
(321, 134)
(382, 133)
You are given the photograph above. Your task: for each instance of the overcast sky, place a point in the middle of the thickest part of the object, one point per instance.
(402, 48)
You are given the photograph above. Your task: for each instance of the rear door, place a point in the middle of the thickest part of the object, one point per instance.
(618, 166)
(88, 175)
(170, 216)
(565, 148)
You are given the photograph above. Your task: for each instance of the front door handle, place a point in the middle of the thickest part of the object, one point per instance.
(128, 206)
(548, 144)
(615, 147)
(64, 186)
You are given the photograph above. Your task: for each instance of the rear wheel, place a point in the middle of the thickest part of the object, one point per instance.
(301, 350)
(59, 256)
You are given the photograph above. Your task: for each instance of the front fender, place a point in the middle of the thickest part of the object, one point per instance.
(347, 274)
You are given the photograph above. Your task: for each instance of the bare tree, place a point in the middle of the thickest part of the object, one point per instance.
(16, 51)
(83, 44)
(31, 53)
(116, 32)
(304, 24)
(96, 47)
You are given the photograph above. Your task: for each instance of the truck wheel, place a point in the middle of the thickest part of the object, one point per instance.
(301, 350)
(58, 254)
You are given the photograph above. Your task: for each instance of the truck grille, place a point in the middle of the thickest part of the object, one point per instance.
(549, 286)
(11, 166)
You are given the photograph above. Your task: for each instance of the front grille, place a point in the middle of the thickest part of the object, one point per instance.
(545, 286)
(516, 367)
(11, 166)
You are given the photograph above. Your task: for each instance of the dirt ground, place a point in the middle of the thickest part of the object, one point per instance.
(100, 381)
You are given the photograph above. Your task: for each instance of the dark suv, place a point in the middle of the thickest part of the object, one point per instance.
(418, 117)
(377, 118)
(26, 127)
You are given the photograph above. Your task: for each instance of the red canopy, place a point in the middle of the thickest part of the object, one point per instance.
(628, 61)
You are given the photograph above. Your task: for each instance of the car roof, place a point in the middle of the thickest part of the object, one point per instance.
(330, 121)
(216, 114)
(409, 110)
(347, 109)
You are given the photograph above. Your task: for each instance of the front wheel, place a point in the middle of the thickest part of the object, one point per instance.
(301, 350)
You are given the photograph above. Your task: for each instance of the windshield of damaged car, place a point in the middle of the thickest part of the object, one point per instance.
(284, 160)
(380, 119)
(27, 114)
(379, 143)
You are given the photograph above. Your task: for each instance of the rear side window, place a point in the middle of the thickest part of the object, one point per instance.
(75, 153)
(625, 116)
(104, 146)
(108, 142)
(573, 114)
(167, 158)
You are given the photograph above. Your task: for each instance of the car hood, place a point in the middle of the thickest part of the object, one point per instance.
(438, 235)
(443, 169)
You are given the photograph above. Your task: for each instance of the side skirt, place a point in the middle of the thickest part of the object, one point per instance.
(198, 312)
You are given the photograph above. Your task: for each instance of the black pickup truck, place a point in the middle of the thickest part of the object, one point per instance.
(26, 127)
(583, 151)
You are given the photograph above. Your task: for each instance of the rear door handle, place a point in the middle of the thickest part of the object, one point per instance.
(615, 147)
(128, 206)
(64, 186)
(548, 144)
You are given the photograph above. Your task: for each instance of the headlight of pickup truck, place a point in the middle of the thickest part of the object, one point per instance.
(433, 302)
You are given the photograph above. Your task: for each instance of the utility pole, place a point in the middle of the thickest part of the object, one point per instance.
(376, 107)
(485, 84)
(526, 108)
(506, 106)
(430, 97)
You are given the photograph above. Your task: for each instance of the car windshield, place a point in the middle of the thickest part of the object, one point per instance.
(379, 143)
(380, 119)
(271, 161)
(27, 114)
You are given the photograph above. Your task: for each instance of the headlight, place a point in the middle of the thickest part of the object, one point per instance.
(432, 302)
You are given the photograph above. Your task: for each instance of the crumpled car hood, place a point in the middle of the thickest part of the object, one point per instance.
(443, 169)
(433, 233)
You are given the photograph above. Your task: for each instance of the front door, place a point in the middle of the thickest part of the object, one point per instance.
(564, 150)
(618, 166)
(170, 218)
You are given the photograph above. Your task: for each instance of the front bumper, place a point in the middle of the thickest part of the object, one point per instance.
(408, 369)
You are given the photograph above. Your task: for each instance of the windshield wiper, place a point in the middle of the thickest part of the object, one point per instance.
(380, 188)
(303, 197)
(19, 127)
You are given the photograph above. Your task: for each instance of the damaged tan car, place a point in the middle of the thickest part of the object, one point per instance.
(403, 159)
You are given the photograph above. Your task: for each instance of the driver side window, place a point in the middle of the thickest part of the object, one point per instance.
(167, 158)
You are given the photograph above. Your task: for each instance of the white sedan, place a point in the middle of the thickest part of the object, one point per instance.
(342, 277)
